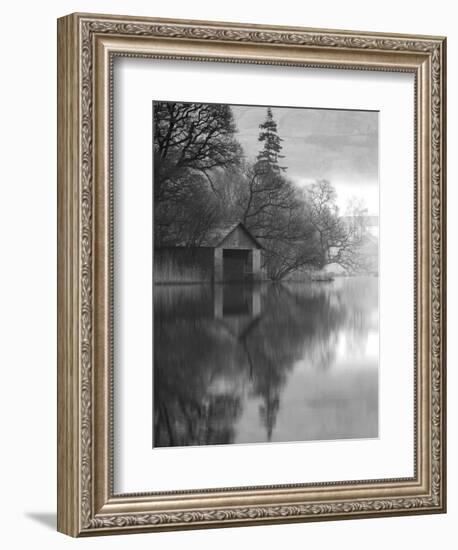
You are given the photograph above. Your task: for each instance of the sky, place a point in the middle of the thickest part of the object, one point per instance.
(337, 145)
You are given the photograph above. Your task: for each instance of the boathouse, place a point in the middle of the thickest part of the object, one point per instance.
(227, 253)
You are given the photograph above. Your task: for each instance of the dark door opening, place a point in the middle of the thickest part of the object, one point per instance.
(235, 264)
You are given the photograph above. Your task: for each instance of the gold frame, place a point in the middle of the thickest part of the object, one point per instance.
(87, 44)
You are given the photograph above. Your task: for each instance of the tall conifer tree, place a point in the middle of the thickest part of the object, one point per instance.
(267, 158)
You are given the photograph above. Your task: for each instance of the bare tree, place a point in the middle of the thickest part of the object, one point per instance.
(186, 217)
(191, 137)
(191, 142)
(339, 240)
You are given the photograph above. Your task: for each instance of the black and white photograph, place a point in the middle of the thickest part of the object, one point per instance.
(265, 274)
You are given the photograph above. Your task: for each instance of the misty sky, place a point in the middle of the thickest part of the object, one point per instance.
(340, 146)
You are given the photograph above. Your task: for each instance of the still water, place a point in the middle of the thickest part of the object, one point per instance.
(272, 362)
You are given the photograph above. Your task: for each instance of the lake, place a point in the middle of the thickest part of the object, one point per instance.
(265, 363)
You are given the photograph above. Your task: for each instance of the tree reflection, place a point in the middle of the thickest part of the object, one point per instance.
(216, 348)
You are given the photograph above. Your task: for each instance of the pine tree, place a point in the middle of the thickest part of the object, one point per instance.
(267, 159)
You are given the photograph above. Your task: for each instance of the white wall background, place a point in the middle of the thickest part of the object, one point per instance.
(28, 273)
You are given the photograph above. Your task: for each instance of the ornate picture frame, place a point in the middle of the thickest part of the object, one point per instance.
(87, 46)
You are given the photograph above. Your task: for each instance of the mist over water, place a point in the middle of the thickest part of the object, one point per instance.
(268, 362)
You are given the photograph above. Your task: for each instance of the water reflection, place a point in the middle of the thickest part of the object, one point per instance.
(246, 364)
